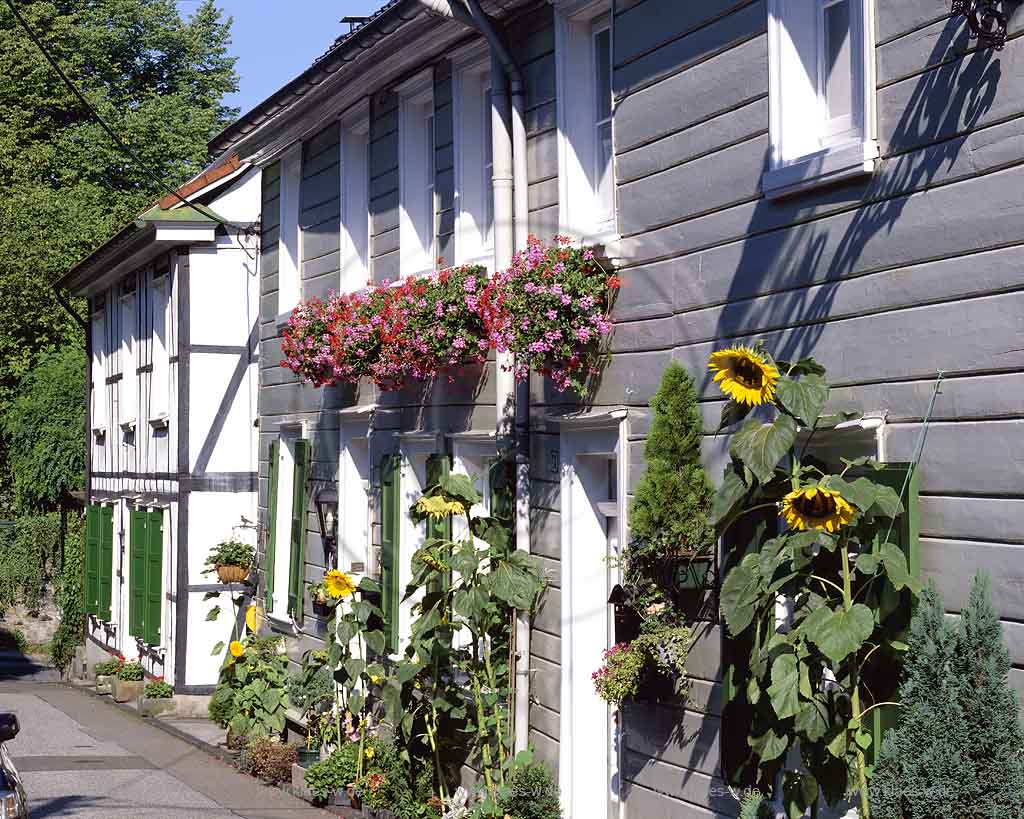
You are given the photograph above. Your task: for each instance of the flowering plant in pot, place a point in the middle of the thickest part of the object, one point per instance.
(231, 559)
(550, 308)
(129, 683)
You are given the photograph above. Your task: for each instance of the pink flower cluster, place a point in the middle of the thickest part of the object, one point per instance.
(550, 309)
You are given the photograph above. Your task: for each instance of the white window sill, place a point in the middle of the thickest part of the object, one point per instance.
(161, 421)
(128, 426)
(99, 433)
(279, 623)
(823, 168)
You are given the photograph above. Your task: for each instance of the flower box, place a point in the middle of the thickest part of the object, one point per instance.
(104, 683)
(128, 690)
(155, 706)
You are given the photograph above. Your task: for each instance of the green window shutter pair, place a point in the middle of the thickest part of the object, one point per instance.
(145, 575)
(297, 563)
(99, 560)
(390, 521)
(437, 468)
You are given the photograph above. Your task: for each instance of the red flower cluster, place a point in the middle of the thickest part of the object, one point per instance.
(550, 309)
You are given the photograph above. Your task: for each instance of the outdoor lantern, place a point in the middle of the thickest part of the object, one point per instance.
(327, 514)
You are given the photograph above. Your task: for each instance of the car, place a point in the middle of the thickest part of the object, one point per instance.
(13, 802)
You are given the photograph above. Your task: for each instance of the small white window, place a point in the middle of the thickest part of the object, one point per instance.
(355, 206)
(417, 208)
(160, 375)
(586, 166)
(129, 403)
(99, 369)
(474, 164)
(289, 283)
(821, 66)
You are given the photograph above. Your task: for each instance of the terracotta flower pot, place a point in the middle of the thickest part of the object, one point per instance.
(232, 574)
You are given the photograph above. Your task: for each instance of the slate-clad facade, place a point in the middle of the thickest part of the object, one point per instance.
(887, 277)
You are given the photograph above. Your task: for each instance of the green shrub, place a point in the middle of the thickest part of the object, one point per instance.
(222, 705)
(131, 672)
(29, 554)
(250, 691)
(532, 794)
(108, 668)
(335, 772)
(271, 760)
(159, 690)
(70, 597)
(956, 752)
(11, 638)
(307, 691)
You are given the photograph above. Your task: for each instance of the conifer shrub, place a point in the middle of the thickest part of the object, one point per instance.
(956, 752)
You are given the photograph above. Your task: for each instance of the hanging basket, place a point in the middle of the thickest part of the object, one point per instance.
(232, 574)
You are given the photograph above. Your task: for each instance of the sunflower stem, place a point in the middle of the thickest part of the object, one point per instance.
(862, 778)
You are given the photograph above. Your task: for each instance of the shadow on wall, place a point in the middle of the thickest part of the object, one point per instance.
(803, 267)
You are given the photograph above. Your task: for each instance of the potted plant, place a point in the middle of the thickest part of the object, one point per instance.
(157, 698)
(231, 559)
(106, 673)
(129, 683)
(330, 780)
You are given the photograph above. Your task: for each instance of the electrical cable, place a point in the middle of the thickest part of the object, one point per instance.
(121, 144)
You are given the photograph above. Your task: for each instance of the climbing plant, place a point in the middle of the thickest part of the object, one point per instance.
(29, 554)
(833, 563)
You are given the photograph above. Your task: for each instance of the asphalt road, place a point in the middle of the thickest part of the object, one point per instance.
(83, 757)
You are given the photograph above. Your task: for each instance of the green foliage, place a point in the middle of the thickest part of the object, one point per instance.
(532, 793)
(397, 781)
(310, 691)
(70, 597)
(250, 696)
(11, 638)
(29, 553)
(271, 760)
(230, 552)
(108, 668)
(754, 806)
(619, 678)
(956, 679)
(130, 672)
(160, 82)
(43, 430)
(334, 773)
(838, 618)
(158, 690)
(673, 497)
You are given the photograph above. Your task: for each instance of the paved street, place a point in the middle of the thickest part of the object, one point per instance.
(83, 757)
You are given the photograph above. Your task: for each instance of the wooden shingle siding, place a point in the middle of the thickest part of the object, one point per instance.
(444, 161)
(384, 186)
(319, 212)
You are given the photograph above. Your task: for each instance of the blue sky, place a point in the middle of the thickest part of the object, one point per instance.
(275, 40)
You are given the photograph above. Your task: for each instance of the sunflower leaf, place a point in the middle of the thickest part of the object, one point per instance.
(896, 568)
(769, 745)
(732, 413)
(729, 494)
(740, 593)
(861, 492)
(804, 398)
(213, 613)
(804, 366)
(843, 632)
(217, 649)
(762, 446)
(785, 688)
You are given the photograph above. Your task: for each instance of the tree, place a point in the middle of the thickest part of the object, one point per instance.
(955, 753)
(44, 427)
(157, 80)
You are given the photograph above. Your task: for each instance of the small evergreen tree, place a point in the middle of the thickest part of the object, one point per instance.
(956, 753)
(991, 710)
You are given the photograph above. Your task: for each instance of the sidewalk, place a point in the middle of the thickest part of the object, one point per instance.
(83, 757)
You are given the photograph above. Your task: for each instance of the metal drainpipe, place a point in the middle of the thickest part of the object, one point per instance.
(511, 228)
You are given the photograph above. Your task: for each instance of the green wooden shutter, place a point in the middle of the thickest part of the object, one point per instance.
(437, 468)
(154, 574)
(895, 608)
(270, 552)
(389, 546)
(136, 573)
(500, 486)
(92, 559)
(297, 564)
(106, 563)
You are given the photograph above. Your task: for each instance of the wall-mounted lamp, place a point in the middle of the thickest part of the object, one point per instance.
(987, 22)
(327, 514)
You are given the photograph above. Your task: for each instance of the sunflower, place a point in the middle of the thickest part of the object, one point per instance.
(236, 648)
(745, 375)
(813, 507)
(338, 584)
(435, 506)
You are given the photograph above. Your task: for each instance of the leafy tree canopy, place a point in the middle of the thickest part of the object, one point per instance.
(158, 80)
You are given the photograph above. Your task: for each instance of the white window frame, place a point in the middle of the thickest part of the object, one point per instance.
(128, 405)
(417, 198)
(355, 198)
(807, 150)
(289, 243)
(587, 723)
(355, 476)
(288, 435)
(159, 408)
(98, 330)
(474, 199)
(582, 213)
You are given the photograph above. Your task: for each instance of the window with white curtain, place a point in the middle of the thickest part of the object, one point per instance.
(474, 162)
(355, 206)
(417, 206)
(821, 93)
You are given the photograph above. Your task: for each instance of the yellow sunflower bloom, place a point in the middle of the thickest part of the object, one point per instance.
(436, 507)
(338, 584)
(813, 507)
(236, 648)
(745, 375)
(455, 508)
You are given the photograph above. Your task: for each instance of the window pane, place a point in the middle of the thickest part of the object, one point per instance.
(603, 84)
(838, 60)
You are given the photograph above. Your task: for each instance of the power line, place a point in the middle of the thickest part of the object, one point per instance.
(121, 144)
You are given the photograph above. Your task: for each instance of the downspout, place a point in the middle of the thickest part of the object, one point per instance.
(511, 228)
